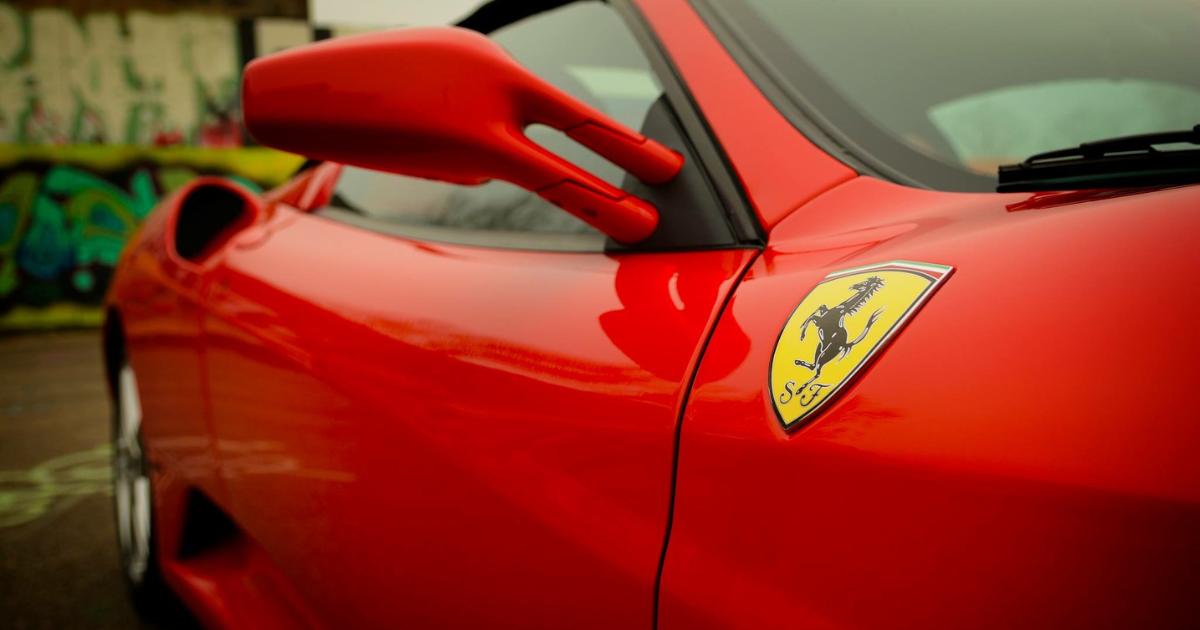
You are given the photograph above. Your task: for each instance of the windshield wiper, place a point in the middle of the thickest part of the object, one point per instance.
(1112, 163)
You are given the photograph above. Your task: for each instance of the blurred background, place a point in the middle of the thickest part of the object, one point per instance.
(106, 106)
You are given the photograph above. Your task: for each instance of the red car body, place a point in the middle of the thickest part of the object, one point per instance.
(402, 432)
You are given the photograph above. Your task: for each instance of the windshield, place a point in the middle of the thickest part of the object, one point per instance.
(939, 93)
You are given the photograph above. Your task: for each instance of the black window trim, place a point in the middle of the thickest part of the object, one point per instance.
(713, 160)
(713, 163)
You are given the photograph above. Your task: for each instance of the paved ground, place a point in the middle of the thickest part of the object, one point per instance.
(58, 561)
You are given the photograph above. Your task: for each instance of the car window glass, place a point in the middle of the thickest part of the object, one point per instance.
(1008, 124)
(942, 92)
(583, 48)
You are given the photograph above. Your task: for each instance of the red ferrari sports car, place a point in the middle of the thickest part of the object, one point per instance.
(682, 314)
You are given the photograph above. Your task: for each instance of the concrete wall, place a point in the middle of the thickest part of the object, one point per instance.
(129, 78)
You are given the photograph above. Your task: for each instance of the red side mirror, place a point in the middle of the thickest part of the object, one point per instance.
(448, 104)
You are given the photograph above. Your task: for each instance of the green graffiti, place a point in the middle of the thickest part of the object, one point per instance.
(27, 495)
(16, 197)
(55, 230)
(14, 26)
(45, 250)
(67, 212)
(102, 215)
(16, 201)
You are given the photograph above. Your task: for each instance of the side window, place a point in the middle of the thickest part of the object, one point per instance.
(583, 48)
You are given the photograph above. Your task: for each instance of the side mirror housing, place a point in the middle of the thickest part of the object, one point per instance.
(448, 104)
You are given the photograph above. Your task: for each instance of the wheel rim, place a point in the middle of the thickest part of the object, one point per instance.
(131, 485)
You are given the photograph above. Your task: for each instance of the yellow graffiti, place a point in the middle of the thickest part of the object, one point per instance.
(259, 164)
(26, 495)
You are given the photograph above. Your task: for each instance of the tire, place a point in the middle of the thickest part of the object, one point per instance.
(133, 499)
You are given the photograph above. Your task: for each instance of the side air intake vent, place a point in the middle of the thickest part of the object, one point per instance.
(208, 216)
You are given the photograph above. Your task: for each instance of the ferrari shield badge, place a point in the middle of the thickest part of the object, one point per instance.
(839, 326)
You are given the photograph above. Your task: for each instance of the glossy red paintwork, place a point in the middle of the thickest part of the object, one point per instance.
(499, 425)
(409, 433)
(458, 115)
(1022, 455)
(496, 424)
(307, 191)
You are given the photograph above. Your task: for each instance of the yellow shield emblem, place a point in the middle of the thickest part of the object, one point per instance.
(838, 328)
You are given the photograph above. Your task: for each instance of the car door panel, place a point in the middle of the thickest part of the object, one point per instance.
(437, 434)
(161, 323)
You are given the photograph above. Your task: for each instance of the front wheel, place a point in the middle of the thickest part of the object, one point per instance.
(133, 498)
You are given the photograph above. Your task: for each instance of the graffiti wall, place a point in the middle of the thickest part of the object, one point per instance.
(138, 78)
(103, 112)
(66, 212)
(135, 77)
